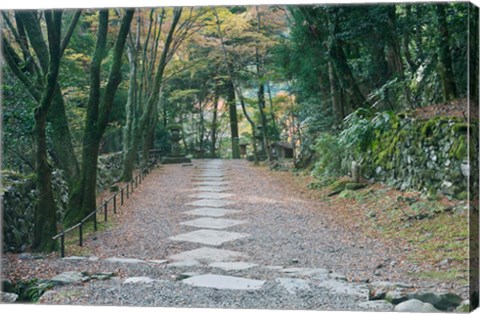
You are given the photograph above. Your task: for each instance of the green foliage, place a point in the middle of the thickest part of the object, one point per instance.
(362, 126)
(329, 156)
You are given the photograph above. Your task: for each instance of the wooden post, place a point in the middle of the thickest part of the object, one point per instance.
(95, 221)
(80, 235)
(62, 245)
(105, 208)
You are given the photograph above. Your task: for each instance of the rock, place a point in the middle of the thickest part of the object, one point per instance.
(69, 277)
(7, 285)
(396, 296)
(444, 302)
(338, 276)
(429, 297)
(464, 306)
(7, 297)
(293, 285)
(448, 302)
(377, 306)
(416, 306)
(377, 294)
(355, 186)
(102, 276)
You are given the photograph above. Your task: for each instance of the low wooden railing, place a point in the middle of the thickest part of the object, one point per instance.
(112, 201)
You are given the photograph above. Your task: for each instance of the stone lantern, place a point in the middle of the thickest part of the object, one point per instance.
(176, 155)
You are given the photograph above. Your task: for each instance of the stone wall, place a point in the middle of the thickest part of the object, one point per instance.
(425, 155)
(19, 198)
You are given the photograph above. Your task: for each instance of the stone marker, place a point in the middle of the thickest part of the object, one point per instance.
(210, 203)
(233, 265)
(212, 223)
(206, 254)
(212, 212)
(210, 237)
(224, 282)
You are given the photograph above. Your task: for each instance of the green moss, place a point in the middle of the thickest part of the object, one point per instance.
(461, 151)
(460, 128)
(428, 128)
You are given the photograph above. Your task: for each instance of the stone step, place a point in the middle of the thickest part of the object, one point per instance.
(209, 237)
(224, 282)
(213, 223)
(212, 212)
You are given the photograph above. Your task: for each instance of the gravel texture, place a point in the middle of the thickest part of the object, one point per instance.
(289, 236)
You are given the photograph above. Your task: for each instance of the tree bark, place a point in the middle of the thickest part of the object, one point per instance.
(152, 93)
(99, 106)
(232, 112)
(45, 217)
(445, 58)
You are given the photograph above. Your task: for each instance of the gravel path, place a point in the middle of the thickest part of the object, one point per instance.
(293, 248)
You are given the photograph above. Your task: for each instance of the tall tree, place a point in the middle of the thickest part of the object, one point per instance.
(29, 68)
(445, 65)
(44, 87)
(142, 120)
(99, 106)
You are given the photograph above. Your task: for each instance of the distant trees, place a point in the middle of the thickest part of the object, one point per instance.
(390, 56)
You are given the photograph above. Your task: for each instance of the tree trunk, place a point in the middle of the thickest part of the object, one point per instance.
(445, 58)
(28, 24)
(83, 199)
(342, 69)
(214, 123)
(232, 111)
(143, 123)
(45, 217)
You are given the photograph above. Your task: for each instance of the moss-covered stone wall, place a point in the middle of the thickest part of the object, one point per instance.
(19, 198)
(425, 155)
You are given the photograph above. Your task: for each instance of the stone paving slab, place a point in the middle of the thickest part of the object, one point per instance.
(213, 223)
(211, 183)
(211, 195)
(293, 285)
(210, 203)
(207, 254)
(212, 189)
(209, 237)
(224, 282)
(186, 263)
(124, 260)
(212, 212)
(213, 174)
(233, 265)
(211, 179)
